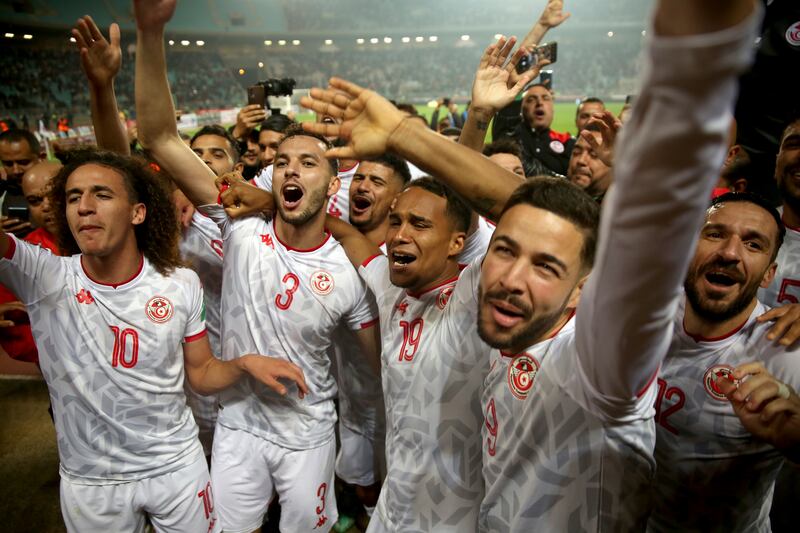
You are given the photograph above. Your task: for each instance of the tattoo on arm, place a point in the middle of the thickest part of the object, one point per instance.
(483, 126)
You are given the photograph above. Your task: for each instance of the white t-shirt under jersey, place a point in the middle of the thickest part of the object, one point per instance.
(113, 360)
(785, 288)
(282, 302)
(432, 370)
(711, 472)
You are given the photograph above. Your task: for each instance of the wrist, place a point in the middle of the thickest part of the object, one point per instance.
(404, 131)
(241, 363)
(482, 113)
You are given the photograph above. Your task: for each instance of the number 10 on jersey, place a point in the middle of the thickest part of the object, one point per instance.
(123, 339)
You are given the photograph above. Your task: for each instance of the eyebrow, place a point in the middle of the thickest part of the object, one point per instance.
(749, 234)
(550, 258)
(93, 188)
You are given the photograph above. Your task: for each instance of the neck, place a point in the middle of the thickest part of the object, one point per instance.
(377, 235)
(305, 236)
(568, 313)
(450, 271)
(791, 216)
(697, 326)
(113, 269)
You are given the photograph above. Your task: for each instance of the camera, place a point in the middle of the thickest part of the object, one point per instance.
(261, 91)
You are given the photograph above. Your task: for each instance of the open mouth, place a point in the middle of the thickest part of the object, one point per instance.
(328, 120)
(720, 279)
(292, 194)
(506, 315)
(360, 204)
(402, 259)
(539, 113)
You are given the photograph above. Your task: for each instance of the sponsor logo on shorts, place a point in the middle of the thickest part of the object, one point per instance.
(521, 375)
(322, 282)
(159, 309)
(710, 380)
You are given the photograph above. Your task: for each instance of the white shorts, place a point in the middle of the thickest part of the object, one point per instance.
(359, 459)
(245, 469)
(180, 501)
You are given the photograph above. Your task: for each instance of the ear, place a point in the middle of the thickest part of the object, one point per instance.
(138, 212)
(769, 275)
(575, 295)
(238, 167)
(457, 239)
(334, 185)
(732, 153)
(739, 185)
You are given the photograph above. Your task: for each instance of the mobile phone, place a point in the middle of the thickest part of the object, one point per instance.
(19, 212)
(546, 78)
(547, 51)
(256, 95)
(629, 99)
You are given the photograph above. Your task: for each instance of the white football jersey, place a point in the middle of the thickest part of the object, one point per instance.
(433, 364)
(112, 357)
(711, 472)
(476, 244)
(338, 204)
(785, 288)
(283, 302)
(201, 248)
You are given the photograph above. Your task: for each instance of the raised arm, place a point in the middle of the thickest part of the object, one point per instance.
(374, 126)
(357, 247)
(665, 164)
(158, 131)
(101, 61)
(552, 15)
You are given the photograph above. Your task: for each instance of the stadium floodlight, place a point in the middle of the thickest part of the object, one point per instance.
(242, 71)
(497, 36)
(610, 34)
(72, 40)
(281, 43)
(360, 40)
(374, 40)
(201, 43)
(10, 35)
(465, 37)
(328, 42)
(260, 64)
(171, 42)
(419, 38)
(406, 39)
(387, 40)
(185, 42)
(296, 42)
(27, 36)
(267, 43)
(433, 38)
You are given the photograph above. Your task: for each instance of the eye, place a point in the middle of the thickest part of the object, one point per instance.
(394, 222)
(499, 249)
(714, 235)
(72, 198)
(754, 245)
(280, 164)
(309, 163)
(548, 268)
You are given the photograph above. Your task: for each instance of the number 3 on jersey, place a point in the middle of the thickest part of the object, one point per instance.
(284, 300)
(412, 331)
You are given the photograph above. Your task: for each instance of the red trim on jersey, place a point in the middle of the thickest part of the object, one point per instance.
(553, 336)
(365, 325)
(115, 285)
(793, 228)
(439, 286)
(649, 382)
(348, 169)
(700, 338)
(292, 249)
(561, 137)
(369, 259)
(195, 337)
(12, 247)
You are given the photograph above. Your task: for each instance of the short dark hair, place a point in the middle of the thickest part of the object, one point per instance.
(761, 202)
(296, 130)
(397, 164)
(565, 200)
(589, 100)
(408, 108)
(277, 122)
(216, 129)
(17, 135)
(451, 131)
(457, 211)
(503, 146)
(157, 237)
(794, 117)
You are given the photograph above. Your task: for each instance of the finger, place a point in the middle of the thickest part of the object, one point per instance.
(274, 384)
(14, 306)
(590, 139)
(762, 395)
(523, 80)
(80, 42)
(6, 323)
(319, 105)
(777, 407)
(113, 34)
(320, 128)
(506, 51)
(93, 29)
(349, 87)
(333, 97)
(498, 48)
(519, 54)
(780, 326)
(83, 28)
(294, 373)
(749, 385)
(774, 313)
(485, 57)
(726, 385)
(748, 368)
(791, 336)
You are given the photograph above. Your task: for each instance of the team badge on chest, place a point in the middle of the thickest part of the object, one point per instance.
(521, 375)
(322, 282)
(710, 380)
(444, 297)
(159, 309)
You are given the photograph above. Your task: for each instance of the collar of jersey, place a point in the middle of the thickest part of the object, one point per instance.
(726, 336)
(291, 249)
(446, 282)
(115, 286)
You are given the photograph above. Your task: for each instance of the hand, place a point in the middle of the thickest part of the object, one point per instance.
(368, 119)
(5, 308)
(767, 408)
(247, 119)
(240, 199)
(552, 15)
(13, 225)
(183, 208)
(100, 59)
(153, 14)
(608, 126)
(268, 370)
(786, 329)
(493, 88)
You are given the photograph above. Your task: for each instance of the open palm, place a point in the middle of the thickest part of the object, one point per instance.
(100, 59)
(153, 14)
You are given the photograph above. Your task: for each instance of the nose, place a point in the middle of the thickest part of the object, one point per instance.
(86, 205)
(730, 250)
(46, 204)
(402, 234)
(513, 279)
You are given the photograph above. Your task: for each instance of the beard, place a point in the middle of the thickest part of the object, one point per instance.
(316, 202)
(714, 310)
(789, 192)
(527, 333)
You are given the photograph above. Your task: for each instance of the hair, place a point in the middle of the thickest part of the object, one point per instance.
(761, 202)
(216, 129)
(397, 164)
(589, 100)
(565, 200)
(503, 146)
(17, 135)
(157, 236)
(277, 122)
(407, 108)
(296, 130)
(451, 131)
(457, 211)
(794, 117)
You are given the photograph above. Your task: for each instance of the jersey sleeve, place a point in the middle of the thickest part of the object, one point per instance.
(196, 322)
(217, 213)
(31, 272)
(465, 294)
(375, 273)
(263, 179)
(365, 311)
(666, 164)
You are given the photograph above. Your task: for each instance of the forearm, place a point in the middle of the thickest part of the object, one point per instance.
(482, 183)
(216, 375)
(534, 36)
(357, 247)
(473, 135)
(108, 129)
